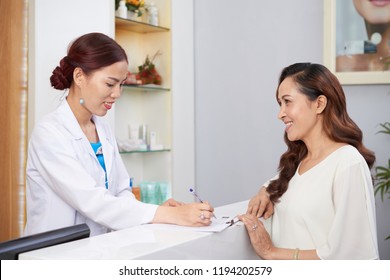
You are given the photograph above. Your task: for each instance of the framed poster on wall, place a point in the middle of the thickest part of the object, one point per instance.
(357, 40)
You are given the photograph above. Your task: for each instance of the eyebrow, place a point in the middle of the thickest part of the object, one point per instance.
(283, 96)
(116, 80)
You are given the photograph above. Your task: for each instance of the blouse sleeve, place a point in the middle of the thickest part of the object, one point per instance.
(353, 232)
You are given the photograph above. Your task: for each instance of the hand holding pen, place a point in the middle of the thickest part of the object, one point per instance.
(200, 200)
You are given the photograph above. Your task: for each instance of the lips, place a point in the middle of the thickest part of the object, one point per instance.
(108, 105)
(288, 125)
(380, 3)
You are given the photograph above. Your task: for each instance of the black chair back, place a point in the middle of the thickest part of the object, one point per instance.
(10, 250)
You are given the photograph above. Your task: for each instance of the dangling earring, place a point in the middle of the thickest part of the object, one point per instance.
(82, 101)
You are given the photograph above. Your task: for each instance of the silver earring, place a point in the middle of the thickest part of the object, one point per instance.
(82, 101)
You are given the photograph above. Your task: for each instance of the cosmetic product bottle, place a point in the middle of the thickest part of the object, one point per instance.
(134, 131)
(143, 132)
(152, 14)
(135, 189)
(122, 9)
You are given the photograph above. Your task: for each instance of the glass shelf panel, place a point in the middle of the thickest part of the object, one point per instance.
(137, 26)
(147, 88)
(146, 152)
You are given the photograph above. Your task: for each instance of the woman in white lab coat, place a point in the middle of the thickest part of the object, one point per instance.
(75, 173)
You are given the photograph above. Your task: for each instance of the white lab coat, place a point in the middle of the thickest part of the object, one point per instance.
(66, 183)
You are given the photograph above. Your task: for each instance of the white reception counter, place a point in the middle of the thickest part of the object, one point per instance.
(159, 242)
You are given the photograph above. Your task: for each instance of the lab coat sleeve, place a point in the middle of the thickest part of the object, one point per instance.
(52, 153)
(353, 232)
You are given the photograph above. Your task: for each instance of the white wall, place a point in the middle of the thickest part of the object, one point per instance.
(240, 49)
(53, 24)
(183, 111)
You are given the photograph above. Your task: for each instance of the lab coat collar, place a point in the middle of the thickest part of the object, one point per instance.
(70, 122)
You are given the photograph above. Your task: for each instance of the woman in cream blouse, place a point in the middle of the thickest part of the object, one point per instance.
(322, 198)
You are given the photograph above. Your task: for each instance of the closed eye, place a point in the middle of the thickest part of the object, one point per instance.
(284, 102)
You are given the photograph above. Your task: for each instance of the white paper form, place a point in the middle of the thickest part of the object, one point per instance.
(217, 225)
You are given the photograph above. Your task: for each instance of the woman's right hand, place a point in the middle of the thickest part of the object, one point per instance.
(258, 235)
(192, 214)
(260, 205)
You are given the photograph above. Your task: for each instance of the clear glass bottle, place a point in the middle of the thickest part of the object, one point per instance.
(152, 14)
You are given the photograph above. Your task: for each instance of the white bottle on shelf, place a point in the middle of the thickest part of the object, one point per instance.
(122, 9)
(152, 14)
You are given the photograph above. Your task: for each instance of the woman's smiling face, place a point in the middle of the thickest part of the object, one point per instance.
(373, 11)
(103, 87)
(296, 110)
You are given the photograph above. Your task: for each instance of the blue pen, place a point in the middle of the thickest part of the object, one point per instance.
(131, 182)
(197, 196)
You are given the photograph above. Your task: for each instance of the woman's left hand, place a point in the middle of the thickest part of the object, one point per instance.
(261, 204)
(260, 239)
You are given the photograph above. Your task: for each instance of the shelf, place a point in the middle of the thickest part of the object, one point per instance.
(137, 26)
(146, 152)
(147, 104)
(146, 88)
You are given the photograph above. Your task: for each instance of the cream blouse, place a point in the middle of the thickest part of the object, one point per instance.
(330, 208)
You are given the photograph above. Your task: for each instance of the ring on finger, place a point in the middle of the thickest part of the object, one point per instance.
(201, 216)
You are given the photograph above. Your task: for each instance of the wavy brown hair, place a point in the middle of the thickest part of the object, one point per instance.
(314, 80)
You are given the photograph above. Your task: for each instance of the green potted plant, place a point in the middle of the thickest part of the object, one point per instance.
(382, 176)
